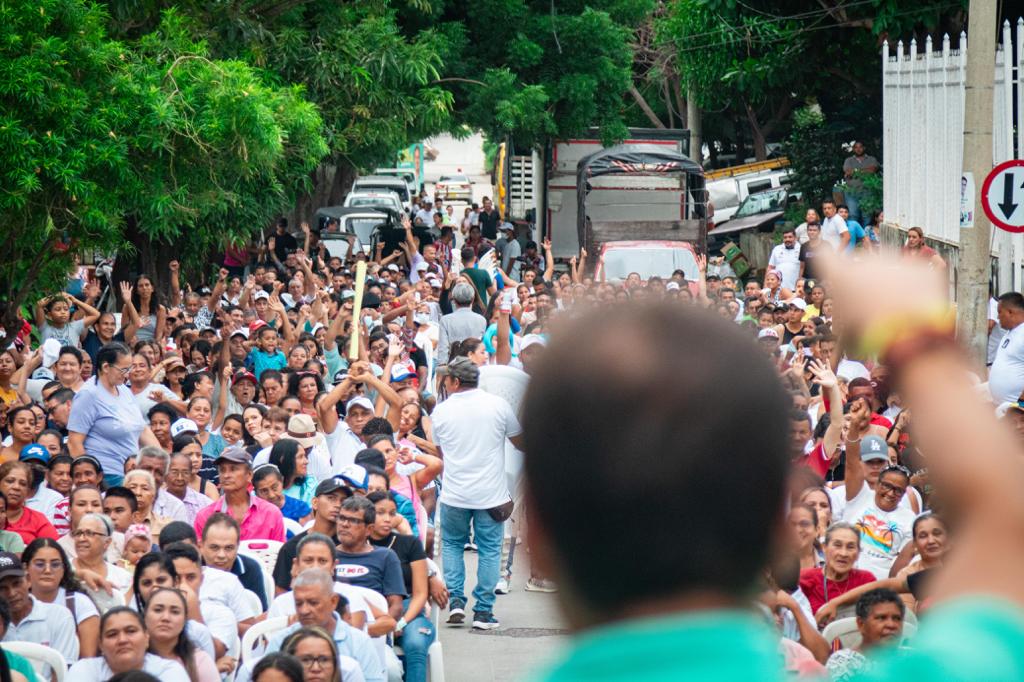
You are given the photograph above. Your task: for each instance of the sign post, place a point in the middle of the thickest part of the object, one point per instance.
(1002, 196)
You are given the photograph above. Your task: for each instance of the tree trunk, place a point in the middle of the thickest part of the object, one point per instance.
(756, 134)
(330, 185)
(696, 126)
(645, 107)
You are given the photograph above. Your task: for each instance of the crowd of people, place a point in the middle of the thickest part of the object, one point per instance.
(154, 456)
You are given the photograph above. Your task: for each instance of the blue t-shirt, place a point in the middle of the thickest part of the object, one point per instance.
(257, 361)
(857, 234)
(111, 424)
(294, 509)
(379, 569)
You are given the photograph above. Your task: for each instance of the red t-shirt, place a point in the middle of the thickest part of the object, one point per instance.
(926, 252)
(813, 585)
(32, 525)
(816, 460)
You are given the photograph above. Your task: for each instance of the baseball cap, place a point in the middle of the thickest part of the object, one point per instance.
(255, 326)
(235, 454)
(355, 475)
(347, 293)
(873, 447)
(340, 375)
(34, 451)
(260, 294)
(507, 227)
(175, 363)
(181, 426)
(244, 375)
(422, 265)
(532, 340)
(10, 565)
(797, 303)
(461, 368)
(768, 333)
(359, 401)
(672, 286)
(392, 267)
(330, 485)
(241, 331)
(401, 373)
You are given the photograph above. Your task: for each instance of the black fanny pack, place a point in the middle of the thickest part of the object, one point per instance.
(502, 511)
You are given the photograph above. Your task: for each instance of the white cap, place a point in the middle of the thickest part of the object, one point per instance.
(768, 333)
(421, 266)
(260, 294)
(181, 426)
(392, 267)
(359, 401)
(241, 331)
(532, 340)
(672, 286)
(51, 351)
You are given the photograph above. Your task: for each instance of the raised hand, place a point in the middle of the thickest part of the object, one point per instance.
(823, 375)
(395, 347)
(174, 266)
(126, 291)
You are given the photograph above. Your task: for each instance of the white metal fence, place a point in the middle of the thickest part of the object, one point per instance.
(923, 127)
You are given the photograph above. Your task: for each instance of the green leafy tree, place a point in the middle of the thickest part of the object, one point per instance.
(107, 146)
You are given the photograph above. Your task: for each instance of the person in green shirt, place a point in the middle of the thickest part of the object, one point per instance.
(670, 430)
(481, 279)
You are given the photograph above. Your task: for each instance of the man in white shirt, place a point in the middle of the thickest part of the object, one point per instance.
(51, 625)
(833, 229)
(785, 259)
(425, 216)
(470, 428)
(995, 331)
(1006, 376)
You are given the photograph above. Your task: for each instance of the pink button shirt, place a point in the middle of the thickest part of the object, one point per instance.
(263, 521)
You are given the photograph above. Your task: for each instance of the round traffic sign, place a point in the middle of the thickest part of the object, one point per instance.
(1002, 196)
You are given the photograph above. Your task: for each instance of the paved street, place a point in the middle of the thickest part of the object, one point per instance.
(529, 634)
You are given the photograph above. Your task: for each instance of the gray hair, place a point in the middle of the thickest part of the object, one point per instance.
(137, 473)
(315, 577)
(841, 525)
(358, 503)
(104, 520)
(316, 539)
(156, 452)
(462, 293)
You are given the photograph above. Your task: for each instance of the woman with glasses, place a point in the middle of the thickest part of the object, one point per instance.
(143, 485)
(92, 538)
(52, 580)
(885, 525)
(180, 472)
(15, 480)
(317, 653)
(104, 419)
(166, 619)
(189, 446)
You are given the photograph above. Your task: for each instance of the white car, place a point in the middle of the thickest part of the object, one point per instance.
(454, 188)
(388, 200)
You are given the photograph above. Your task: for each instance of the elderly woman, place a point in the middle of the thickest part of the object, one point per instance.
(93, 536)
(143, 485)
(104, 419)
(179, 475)
(86, 499)
(145, 392)
(838, 575)
(124, 647)
(52, 580)
(15, 478)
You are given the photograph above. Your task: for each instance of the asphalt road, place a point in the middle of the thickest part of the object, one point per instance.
(531, 632)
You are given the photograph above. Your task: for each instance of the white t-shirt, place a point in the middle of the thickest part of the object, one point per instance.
(1006, 376)
(222, 624)
(787, 262)
(832, 230)
(225, 589)
(85, 608)
(882, 534)
(471, 428)
(145, 403)
(837, 496)
(343, 444)
(97, 670)
(997, 334)
(45, 501)
(284, 604)
(851, 369)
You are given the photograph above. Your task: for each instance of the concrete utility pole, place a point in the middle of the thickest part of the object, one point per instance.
(974, 270)
(696, 127)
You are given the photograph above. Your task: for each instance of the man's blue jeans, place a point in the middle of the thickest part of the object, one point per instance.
(416, 639)
(487, 533)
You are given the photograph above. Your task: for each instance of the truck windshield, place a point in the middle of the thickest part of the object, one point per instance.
(619, 263)
(762, 202)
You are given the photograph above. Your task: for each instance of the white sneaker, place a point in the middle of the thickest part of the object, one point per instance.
(502, 586)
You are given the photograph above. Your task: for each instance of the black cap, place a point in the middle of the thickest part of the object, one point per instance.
(10, 565)
(331, 485)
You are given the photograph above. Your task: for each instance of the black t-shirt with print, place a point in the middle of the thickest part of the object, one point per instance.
(408, 549)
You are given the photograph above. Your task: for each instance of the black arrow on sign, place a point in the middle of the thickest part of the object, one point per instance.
(1008, 206)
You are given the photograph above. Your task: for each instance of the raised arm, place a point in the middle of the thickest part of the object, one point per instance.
(129, 315)
(860, 415)
(91, 314)
(175, 268)
(824, 377)
(326, 407)
(549, 261)
(502, 342)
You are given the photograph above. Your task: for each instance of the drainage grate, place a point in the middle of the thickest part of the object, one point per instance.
(523, 632)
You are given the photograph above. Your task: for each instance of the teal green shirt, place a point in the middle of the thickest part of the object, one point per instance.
(706, 645)
(22, 665)
(974, 638)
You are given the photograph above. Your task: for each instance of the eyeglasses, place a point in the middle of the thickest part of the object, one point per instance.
(315, 661)
(123, 370)
(88, 534)
(41, 565)
(349, 520)
(890, 488)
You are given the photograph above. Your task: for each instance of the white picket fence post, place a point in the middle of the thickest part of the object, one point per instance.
(922, 145)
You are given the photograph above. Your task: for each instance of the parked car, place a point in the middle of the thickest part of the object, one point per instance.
(647, 258)
(379, 199)
(454, 188)
(758, 211)
(362, 225)
(726, 193)
(385, 183)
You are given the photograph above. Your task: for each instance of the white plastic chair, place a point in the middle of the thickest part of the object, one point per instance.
(845, 630)
(250, 640)
(292, 526)
(253, 600)
(40, 654)
(263, 551)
